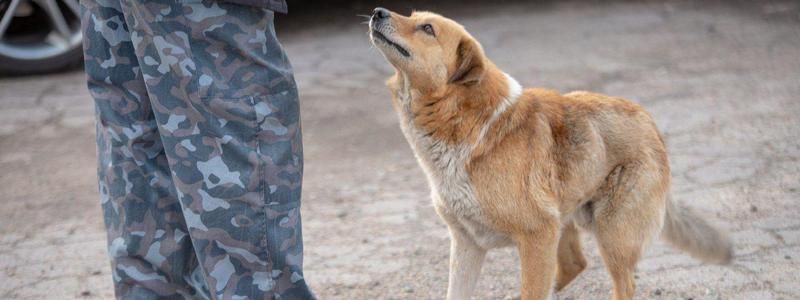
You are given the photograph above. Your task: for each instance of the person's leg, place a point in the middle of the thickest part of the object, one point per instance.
(151, 253)
(228, 114)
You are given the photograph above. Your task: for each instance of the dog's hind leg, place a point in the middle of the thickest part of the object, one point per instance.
(571, 261)
(466, 260)
(628, 213)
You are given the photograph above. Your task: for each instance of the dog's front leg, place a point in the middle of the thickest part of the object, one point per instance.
(466, 259)
(538, 253)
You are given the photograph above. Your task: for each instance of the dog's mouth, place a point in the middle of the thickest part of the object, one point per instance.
(378, 35)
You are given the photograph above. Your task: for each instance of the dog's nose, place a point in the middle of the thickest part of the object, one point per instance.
(380, 13)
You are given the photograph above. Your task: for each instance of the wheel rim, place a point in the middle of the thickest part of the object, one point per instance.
(55, 29)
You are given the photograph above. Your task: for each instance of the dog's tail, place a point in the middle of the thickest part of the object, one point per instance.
(689, 232)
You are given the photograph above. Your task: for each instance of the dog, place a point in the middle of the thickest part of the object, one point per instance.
(509, 166)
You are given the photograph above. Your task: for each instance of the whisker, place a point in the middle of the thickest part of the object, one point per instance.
(364, 16)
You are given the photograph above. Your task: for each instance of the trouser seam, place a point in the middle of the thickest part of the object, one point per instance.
(262, 175)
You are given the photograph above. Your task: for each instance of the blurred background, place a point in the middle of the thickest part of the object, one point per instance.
(721, 78)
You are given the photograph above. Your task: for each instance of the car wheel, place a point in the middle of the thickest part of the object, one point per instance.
(39, 36)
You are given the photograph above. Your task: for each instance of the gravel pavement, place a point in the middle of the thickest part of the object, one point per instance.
(721, 80)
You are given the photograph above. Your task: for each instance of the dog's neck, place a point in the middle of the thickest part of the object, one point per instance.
(456, 114)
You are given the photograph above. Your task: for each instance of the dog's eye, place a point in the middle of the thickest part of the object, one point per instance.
(428, 29)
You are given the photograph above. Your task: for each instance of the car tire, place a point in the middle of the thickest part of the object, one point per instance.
(39, 36)
(68, 60)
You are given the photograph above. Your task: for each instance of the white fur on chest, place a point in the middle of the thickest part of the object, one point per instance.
(445, 167)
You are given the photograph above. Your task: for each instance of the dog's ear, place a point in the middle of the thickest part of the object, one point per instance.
(469, 61)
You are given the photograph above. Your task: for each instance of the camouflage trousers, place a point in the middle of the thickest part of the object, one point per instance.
(199, 149)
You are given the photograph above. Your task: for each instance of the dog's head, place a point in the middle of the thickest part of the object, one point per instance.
(431, 50)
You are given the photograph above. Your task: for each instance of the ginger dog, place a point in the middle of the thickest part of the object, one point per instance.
(512, 166)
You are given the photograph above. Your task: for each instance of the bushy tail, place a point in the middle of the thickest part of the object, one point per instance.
(689, 232)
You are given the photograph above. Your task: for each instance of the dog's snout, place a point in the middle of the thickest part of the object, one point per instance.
(380, 13)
